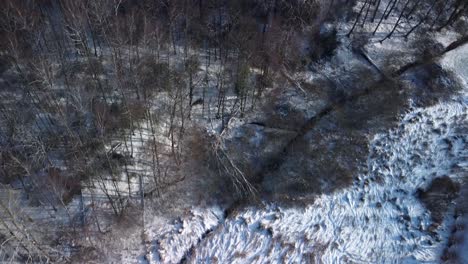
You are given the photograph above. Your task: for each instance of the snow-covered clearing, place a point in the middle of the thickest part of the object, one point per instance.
(378, 219)
(386, 217)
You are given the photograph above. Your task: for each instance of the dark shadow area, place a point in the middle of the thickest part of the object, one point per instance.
(438, 197)
(330, 146)
(429, 84)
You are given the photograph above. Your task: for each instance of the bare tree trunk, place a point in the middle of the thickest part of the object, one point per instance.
(441, 11)
(454, 16)
(375, 10)
(357, 18)
(424, 18)
(391, 9)
(367, 13)
(382, 17)
(397, 22)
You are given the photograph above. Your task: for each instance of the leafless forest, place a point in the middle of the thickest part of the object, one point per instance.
(113, 112)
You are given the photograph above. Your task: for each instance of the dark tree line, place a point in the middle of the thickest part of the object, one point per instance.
(408, 15)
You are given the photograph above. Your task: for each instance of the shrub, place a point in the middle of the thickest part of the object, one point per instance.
(438, 196)
(153, 76)
(323, 43)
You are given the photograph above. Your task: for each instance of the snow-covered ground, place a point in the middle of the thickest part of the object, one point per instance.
(378, 219)
(457, 61)
(374, 222)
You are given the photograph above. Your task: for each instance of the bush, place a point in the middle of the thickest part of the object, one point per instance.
(438, 196)
(153, 76)
(323, 43)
